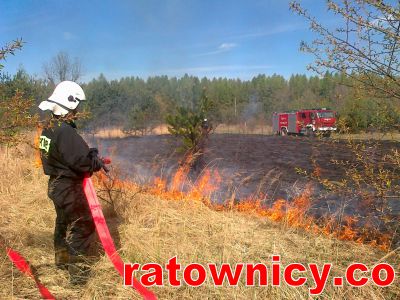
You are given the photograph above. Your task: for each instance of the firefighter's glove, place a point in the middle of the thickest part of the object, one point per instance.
(93, 152)
(97, 163)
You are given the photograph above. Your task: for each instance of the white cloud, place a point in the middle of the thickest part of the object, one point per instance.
(271, 31)
(68, 36)
(384, 21)
(224, 47)
(227, 46)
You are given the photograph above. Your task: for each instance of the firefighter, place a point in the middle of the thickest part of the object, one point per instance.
(205, 128)
(66, 158)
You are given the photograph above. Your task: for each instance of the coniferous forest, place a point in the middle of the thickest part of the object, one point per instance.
(133, 103)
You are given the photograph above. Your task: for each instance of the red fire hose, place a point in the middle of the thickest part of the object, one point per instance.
(105, 237)
(25, 268)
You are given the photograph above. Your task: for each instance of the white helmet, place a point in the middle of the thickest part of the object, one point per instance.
(65, 98)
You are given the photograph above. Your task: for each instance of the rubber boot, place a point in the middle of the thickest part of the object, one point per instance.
(61, 258)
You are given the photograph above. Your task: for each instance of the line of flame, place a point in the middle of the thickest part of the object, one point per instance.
(290, 213)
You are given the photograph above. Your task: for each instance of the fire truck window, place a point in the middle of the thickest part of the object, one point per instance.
(303, 115)
(326, 114)
(312, 115)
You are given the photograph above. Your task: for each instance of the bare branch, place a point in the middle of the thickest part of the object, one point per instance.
(61, 67)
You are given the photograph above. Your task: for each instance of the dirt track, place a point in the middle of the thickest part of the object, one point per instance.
(248, 164)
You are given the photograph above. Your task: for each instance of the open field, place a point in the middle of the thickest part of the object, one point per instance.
(248, 164)
(152, 229)
(264, 129)
(260, 168)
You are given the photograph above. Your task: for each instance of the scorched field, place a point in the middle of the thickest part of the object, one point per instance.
(266, 173)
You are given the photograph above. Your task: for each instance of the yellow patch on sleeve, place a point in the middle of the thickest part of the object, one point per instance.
(44, 143)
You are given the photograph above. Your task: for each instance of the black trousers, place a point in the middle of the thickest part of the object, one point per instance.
(74, 228)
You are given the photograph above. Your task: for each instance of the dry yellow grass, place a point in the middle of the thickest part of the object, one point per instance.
(111, 132)
(117, 132)
(153, 230)
(379, 136)
(244, 128)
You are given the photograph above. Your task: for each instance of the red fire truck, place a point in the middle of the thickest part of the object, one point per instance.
(306, 122)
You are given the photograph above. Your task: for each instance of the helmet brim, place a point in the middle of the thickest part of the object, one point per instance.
(53, 107)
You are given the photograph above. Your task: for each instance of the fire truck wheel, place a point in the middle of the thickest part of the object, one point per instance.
(326, 134)
(310, 132)
(284, 132)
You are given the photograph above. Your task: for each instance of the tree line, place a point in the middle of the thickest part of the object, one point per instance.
(137, 104)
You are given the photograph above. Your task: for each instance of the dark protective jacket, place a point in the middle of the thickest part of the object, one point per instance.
(64, 153)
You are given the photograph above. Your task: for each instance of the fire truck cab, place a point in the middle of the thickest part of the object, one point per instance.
(305, 122)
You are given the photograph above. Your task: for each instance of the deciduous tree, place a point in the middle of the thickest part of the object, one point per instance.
(62, 67)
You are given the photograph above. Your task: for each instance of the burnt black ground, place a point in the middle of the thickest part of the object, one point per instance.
(248, 165)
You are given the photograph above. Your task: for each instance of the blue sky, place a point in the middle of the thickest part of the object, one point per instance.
(235, 39)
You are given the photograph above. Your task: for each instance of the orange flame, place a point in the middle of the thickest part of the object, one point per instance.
(290, 213)
(37, 160)
(203, 187)
(179, 179)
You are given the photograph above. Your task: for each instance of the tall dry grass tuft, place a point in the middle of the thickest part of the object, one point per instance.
(151, 229)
